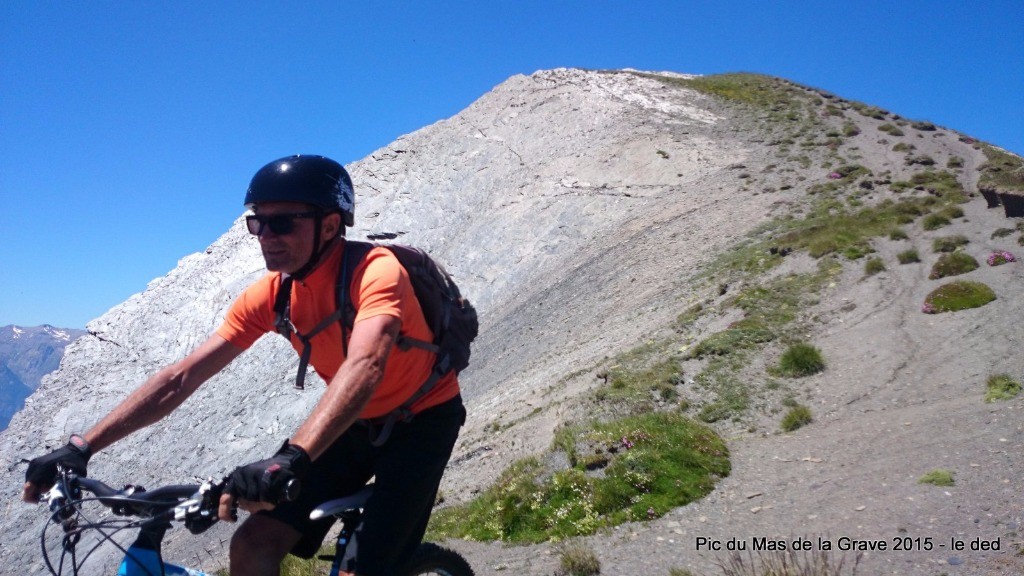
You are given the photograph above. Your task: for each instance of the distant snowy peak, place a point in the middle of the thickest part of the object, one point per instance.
(45, 332)
(57, 333)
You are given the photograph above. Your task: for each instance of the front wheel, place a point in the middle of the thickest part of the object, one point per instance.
(430, 558)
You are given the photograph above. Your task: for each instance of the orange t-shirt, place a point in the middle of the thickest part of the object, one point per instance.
(380, 285)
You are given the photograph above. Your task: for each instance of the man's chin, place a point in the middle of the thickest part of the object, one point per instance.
(277, 266)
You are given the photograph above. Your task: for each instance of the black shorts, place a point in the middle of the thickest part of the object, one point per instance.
(407, 470)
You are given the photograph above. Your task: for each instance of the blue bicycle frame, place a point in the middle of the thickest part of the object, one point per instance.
(143, 557)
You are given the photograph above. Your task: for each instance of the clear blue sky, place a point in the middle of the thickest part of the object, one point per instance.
(129, 130)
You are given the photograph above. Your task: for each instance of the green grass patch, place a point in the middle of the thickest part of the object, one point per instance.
(938, 477)
(756, 89)
(1002, 233)
(779, 102)
(789, 562)
(869, 111)
(652, 464)
(741, 335)
(777, 303)
(921, 160)
(874, 266)
(635, 388)
(836, 229)
(797, 417)
(577, 559)
(935, 221)
(1001, 387)
(799, 360)
(942, 184)
(908, 257)
(952, 212)
(1002, 171)
(890, 130)
(949, 243)
(953, 264)
(731, 393)
(958, 295)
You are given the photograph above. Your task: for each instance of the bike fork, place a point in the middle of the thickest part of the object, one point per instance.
(349, 520)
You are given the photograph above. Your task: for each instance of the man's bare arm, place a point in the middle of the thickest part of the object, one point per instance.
(353, 385)
(163, 392)
(156, 398)
(349, 391)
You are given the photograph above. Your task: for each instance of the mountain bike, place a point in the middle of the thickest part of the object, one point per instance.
(153, 512)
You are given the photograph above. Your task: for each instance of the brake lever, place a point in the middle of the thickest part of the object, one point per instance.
(200, 511)
(65, 486)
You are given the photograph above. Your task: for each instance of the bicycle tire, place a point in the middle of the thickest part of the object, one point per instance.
(430, 558)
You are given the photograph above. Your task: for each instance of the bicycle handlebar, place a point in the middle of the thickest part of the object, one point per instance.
(195, 504)
(135, 501)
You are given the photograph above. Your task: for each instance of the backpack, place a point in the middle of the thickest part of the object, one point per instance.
(450, 317)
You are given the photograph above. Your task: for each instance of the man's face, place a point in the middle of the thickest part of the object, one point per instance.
(289, 251)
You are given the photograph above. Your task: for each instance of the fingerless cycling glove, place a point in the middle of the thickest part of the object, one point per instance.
(268, 480)
(42, 471)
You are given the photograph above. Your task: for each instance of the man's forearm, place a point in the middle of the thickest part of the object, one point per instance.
(162, 393)
(351, 388)
(148, 404)
(339, 407)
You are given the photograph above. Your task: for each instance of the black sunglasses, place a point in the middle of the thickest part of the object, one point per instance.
(279, 224)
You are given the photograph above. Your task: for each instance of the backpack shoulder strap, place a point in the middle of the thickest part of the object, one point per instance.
(355, 252)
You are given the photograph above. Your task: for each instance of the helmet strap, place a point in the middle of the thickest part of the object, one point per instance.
(317, 249)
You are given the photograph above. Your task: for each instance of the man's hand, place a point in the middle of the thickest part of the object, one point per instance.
(228, 508)
(263, 484)
(42, 471)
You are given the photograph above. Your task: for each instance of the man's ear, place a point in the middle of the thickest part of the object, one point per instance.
(331, 226)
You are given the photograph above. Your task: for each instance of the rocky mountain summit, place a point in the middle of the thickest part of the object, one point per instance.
(611, 222)
(26, 355)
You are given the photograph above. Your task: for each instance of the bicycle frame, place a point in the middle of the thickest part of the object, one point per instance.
(143, 557)
(349, 511)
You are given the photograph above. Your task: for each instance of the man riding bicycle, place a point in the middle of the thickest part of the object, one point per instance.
(300, 207)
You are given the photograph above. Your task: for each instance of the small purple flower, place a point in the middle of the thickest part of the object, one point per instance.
(651, 513)
(928, 308)
(626, 442)
(999, 257)
(835, 176)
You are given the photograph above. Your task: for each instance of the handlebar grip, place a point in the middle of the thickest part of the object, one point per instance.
(291, 490)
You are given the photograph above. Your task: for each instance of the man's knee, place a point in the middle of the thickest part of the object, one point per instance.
(260, 544)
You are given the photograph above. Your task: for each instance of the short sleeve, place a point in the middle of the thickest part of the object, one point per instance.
(252, 313)
(379, 286)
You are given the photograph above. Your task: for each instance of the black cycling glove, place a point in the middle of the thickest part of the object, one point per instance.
(271, 480)
(75, 456)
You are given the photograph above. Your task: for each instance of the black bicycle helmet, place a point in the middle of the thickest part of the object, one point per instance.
(306, 178)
